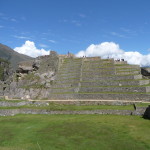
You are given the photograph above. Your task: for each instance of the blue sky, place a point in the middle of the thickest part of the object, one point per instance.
(73, 25)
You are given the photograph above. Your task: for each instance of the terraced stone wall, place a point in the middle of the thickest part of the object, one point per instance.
(68, 76)
(85, 78)
(96, 78)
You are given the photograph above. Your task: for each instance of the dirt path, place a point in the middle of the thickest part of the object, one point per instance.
(90, 101)
(82, 100)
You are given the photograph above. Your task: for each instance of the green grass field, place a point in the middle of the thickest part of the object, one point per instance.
(53, 106)
(74, 132)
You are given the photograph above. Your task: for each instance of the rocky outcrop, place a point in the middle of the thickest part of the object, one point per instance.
(25, 67)
(145, 71)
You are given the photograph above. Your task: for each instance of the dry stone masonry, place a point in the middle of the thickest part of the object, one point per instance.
(66, 77)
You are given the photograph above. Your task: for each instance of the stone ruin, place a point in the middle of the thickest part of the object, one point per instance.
(66, 77)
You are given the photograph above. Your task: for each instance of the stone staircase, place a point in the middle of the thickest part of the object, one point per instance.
(96, 78)
(67, 80)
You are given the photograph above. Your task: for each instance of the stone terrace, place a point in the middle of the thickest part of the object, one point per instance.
(96, 78)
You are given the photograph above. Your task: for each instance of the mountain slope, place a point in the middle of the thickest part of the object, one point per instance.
(12, 56)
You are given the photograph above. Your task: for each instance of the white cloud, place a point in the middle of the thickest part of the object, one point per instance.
(30, 49)
(43, 45)
(52, 41)
(21, 37)
(112, 50)
(117, 34)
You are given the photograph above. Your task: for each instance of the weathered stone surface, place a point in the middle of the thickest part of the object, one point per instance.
(22, 103)
(24, 67)
(145, 71)
(140, 111)
(67, 77)
(12, 112)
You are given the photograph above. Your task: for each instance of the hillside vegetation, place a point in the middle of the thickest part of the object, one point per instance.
(4, 69)
(12, 56)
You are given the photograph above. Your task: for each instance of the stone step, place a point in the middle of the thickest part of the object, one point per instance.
(70, 65)
(115, 82)
(67, 76)
(100, 96)
(92, 60)
(115, 96)
(127, 66)
(66, 85)
(68, 71)
(63, 96)
(90, 69)
(73, 61)
(97, 66)
(66, 81)
(86, 77)
(63, 90)
(101, 63)
(127, 69)
(115, 89)
(98, 73)
(70, 74)
(127, 72)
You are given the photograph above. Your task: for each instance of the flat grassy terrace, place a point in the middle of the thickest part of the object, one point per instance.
(74, 132)
(54, 106)
(75, 107)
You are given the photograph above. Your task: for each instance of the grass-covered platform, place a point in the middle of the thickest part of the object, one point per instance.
(74, 132)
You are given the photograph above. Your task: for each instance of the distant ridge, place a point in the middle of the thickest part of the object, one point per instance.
(12, 56)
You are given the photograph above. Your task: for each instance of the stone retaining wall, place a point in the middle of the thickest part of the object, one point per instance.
(114, 89)
(114, 82)
(17, 104)
(111, 77)
(101, 96)
(65, 102)
(134, 97)
(12, 112)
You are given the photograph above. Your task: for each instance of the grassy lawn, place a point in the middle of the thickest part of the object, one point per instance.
(74, 132)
